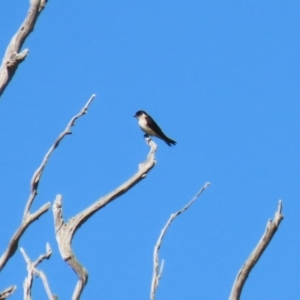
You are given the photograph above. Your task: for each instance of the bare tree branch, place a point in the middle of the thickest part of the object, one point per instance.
(38, 173)
(13, 243)
(32, 270)
(7, 292)
(244, 272)
(29, 218)
(13, 57)
(157, 270)
(65, 231)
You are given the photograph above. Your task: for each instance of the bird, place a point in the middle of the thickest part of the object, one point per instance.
(149, 126)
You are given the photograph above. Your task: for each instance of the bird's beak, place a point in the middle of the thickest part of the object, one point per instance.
(134, 116)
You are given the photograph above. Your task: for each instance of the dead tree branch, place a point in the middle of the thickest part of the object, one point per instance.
(244, 272)
(157, 269)
(65, 230)
(13, 57)
(32, 270)
(7, 292)
(29, 218)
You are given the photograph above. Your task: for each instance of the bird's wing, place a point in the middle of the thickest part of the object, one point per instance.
(154, 126)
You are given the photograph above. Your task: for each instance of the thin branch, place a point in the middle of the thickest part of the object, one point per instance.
(32, 270)
(158, 268)
(65, 231)
(38, 173)
(7, 292)
(13, 57)
(29, 218)
(13, 243)
(244, 272)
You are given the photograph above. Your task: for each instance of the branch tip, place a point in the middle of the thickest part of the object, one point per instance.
(271, 228)
(157, 271)
(279, 210)
(7, 292)
(13, 57)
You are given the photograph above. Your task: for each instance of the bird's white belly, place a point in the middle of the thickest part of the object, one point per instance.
(145, 128)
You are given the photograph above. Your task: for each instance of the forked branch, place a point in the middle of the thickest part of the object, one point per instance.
(13, 57)
(32, 270)
(244, 272)
(157, 268)
(65, 230)
(29, 218)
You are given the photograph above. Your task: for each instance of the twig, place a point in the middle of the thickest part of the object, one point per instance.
(32, 270)
(65, 230)
(38, 173)
(7, 292)
(13, 57)
(28, 217)
(244, 272)
(157, 270)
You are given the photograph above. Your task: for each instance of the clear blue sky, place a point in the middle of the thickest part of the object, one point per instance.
(222, 79)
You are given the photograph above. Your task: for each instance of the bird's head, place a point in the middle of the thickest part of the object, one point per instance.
(140, 114)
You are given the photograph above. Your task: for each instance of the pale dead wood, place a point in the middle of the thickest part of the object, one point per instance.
(13, 244)
(244, 272)
(38, 173)
(29, 218)
(7, 292)
(65, 230)
(13, 57)
(157, 269)
(32, 270)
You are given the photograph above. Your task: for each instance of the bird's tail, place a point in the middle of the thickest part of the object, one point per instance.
(170, 142)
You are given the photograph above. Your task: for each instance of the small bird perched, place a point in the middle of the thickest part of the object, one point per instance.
(149, 126)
